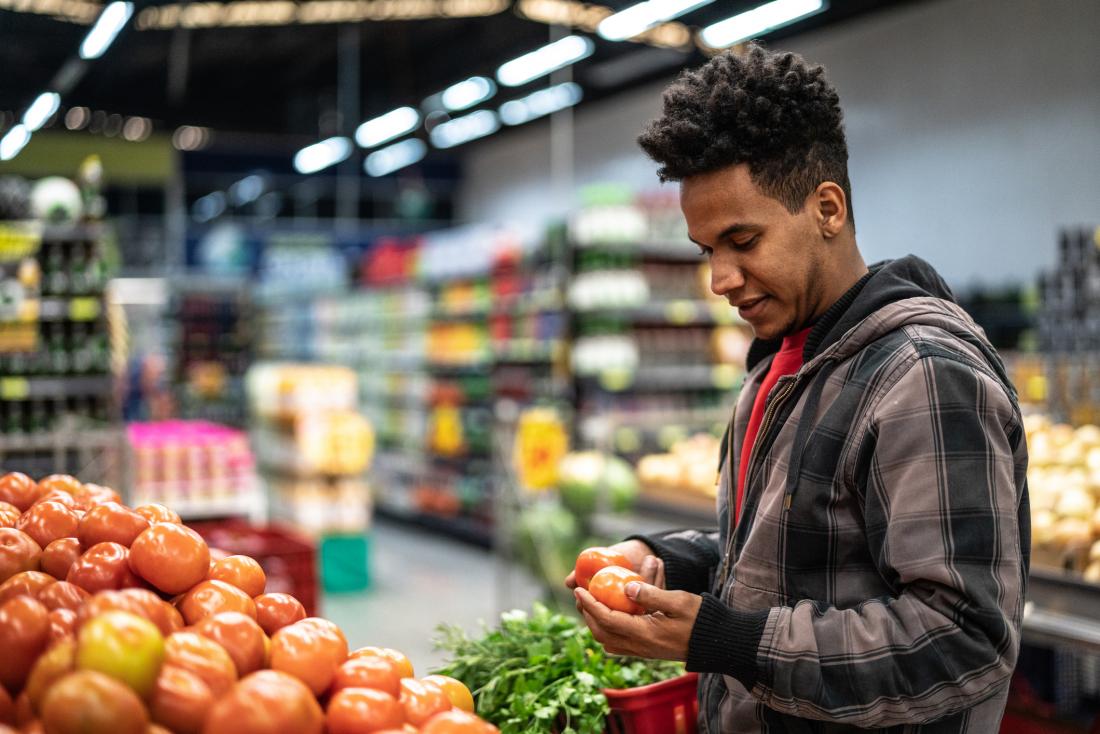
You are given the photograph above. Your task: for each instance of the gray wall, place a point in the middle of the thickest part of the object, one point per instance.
(973, 126)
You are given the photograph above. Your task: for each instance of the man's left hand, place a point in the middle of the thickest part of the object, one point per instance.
(662, 634)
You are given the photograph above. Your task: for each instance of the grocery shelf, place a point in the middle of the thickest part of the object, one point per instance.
(251, 505)
(520, 353)
(69, 386)
(665, 377)
(61, 440)
(481, 367)
(1062, 610)
(670, 251)
(85, 307)
(461, 528)
(677, 312)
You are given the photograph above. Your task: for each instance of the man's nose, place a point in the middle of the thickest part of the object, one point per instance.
(725, 278)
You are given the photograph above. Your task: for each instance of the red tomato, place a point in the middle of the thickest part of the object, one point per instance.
(240, 571)
(593, 559)
(205, 658)
(171, 557)
(241, 637)
(457, 722)
(28, 583)
(45, 522)
(24, 631)
(608, 586)
(275, 611)
(57, 662)
(91, 495)
(310, 650)
(356, 710)
(7, 707)
(19, 490)
(56, 495)
(87, 702)
(9, 515)
(266, 702)
(110, 522)
(404, 666)
(210, 597)
(59, 556)
(24, 714)
(18, 553)
(422, 700)
(102, 567)
(154, 512)
(368, 671)
(455, 690)
(62, 625)
(62, 595)
(180, 700)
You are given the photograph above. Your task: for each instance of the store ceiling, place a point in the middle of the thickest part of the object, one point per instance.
(282, 81)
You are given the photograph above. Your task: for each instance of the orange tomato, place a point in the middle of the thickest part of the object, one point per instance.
(19, 490)
(56, 495)
(591, 560)
(45, 522)
(275, 611)
(18, 553)
(404, 665)
(7, 707)
(241, 637)
(608, 586)
(54, 664)
(154, 512)
(102, 567)
(24, 631)
(240, 571)
(59, 556)
(210, 597)
(88, 702)
(266, 702)
(455, 690)
(180, 700)
(360, 710)
(369, 671)
(141, 602)
(422, 700)
(24, 714)
(90, 495)
(62, 595)
(310, 650)
(457, 722)
(171, 557)
(62, 625)
(110, 522)
(63, 482)
(9, 515)
(203, 657)
(27, 583)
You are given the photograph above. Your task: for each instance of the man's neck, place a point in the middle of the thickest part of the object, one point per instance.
(840, 281)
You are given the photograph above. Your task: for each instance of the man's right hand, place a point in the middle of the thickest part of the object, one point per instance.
(648, 566)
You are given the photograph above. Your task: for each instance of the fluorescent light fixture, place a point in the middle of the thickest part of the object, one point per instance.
(384, 128)
(760, 19)
(465, 95)
(41, 110)
(641, 17)
(395, 157)
(319, 156)
(464, 129)
(13, 142)
(545, 60)
(541, 103)
(247, 190)
(111, 21)
(209, 207)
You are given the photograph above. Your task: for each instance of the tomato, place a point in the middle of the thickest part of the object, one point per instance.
(175, 619)
(19, 490)
(63, 482)
(368, 671)
(455, 690)
(266, 702)
(18, 553)
(62, 595)
(608, 586)
(62, 625)
(24, 714)
(102, 567)
(56, 495)
(7, 707)
(59, 556)
(27, 583)
(91, 495)
(9, 515)
(593, 559)
(154, 512)
(205, 658)
(45, 522)
(88, 702)
(141, 602)
(24, 631)
(404, 665)
(156, 729)
(241, 637)
(275, 611)
(311, 650)
(240, 571)
(54, 664)
(422, 700)
(456, 722)
(180, 700)
(355, 710)
(124, 646)
(210, 597)
(110, 522)
(171, 557)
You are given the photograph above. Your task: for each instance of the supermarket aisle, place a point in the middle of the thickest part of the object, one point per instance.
(419, 580)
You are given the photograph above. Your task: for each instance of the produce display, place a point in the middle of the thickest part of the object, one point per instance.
(122, 620)
(689, 467)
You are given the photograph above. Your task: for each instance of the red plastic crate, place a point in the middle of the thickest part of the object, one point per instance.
(668, 707)
(289, 560)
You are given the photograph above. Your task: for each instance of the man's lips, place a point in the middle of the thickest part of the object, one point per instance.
(750, 306)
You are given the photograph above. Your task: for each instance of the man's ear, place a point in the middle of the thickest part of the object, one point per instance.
(829, 206)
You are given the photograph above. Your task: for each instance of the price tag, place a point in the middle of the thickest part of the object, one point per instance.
(724, 376)
(14, 388)
(84, 309)
(680, 312)
(616, 379)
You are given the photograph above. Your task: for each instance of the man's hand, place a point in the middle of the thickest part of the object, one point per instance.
(663, 634)
(642, 561)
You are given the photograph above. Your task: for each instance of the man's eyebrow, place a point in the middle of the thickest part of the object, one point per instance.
(729, 231)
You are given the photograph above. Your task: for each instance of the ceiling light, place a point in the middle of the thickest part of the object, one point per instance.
(545, 60)
(541, 103)
(466, 94)
(638, 19)
(247, 190)
(320, 156)
(395, 157)
(13, 142)
(386, 127)
(464, 129)
(77, 118)
(190, 137)
(137, 129)
(41, 110)
(751, 23)
(209, 207)
(111, 21)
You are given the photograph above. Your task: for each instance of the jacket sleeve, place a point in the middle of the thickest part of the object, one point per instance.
(940, 473)
(690, 557)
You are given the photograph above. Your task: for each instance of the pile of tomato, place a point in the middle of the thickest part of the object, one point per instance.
(122, 621)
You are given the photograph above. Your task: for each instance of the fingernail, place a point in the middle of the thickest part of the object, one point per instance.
(632, 589)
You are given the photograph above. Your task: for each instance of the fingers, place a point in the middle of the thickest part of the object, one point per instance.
(648, 570)
(571, 580)
(659, 577)
(657, 600)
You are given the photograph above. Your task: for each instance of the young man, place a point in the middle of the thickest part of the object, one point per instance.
(870, 563)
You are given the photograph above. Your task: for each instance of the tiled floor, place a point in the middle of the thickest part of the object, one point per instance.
(419, 580)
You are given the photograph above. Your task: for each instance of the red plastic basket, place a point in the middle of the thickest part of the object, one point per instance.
(289, 560)
(668, 707)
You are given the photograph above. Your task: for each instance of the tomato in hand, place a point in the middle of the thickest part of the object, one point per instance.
(18, 553)
(62, 625)
(457, 722)
(241, 637)
(102, 567)
(310, 650)
(404, 665)
(59, 556)
(62, 595)
(110, 522)
(355, 710)
(124, 646)
(171, 557)
(57, 662)
(28, 583)
(275, 611)
(368, 671)
(455, 690)
(608, 587)
(205, 658)
(24, 631)
(240, 571)
(88, 702)
(19, 490)
(210, 597)
(266, 702)
(180, 700)
(422, 700)
(45, 522)
(154, 512)
(9, 515)
(591, 560)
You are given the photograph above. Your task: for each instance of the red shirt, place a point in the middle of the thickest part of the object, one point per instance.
(786, 362)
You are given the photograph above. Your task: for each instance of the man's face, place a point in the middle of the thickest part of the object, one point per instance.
(767, 262)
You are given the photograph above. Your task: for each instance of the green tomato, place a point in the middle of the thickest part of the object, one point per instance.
(124, 646)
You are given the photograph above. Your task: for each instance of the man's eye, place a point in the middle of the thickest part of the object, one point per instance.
(746, 244)
(704, 251)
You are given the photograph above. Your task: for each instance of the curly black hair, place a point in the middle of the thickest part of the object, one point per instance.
(770, 110)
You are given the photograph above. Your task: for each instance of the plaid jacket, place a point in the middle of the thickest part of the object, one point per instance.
(876, 578)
